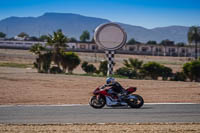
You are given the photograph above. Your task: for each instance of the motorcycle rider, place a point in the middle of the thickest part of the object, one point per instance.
(116, 88)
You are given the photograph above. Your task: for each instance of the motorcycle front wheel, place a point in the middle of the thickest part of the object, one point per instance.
(97, 103)
(136, 103)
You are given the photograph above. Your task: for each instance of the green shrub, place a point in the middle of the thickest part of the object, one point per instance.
(166, 72)
(43, 62)
(152, 69)
(179, 76)
(97, 72)
(192, 70)
(84, 65)
(69, 61)
(124, 71)
(46, 61)
(91, 68)
(103, 67)
(195, 70)
(187, 70)
(88, 68)
(55, 70)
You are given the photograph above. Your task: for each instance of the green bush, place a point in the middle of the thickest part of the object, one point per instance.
(124, 71)
(192, 70)
(46, 59)
(152, 69)
(88, 68)
(195, 70)
(103, 67)
(84, 65)
(43, 62)
(179, 76)
(55, 70)
(187, 70)
(69, 61)
(166, 72)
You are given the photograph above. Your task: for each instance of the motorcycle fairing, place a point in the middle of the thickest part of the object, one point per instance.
(110, 101)
(132, 97)
(113, 102)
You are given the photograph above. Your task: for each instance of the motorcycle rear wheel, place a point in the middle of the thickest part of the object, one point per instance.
(97, 103)
(136, 103)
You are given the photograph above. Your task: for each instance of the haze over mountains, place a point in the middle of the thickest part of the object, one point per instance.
(73, 25)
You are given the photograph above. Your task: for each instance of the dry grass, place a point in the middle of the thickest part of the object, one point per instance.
(107, 128)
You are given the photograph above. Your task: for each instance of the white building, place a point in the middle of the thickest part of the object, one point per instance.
(143, 49)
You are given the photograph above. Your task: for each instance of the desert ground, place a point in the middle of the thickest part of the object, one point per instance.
(26, 86)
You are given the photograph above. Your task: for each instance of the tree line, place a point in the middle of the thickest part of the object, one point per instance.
(84, 37)
(193, 37)
(52, 58)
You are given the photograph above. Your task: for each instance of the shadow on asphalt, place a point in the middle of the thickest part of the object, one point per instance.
(126, 108)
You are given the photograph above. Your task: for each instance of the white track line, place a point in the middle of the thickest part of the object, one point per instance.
(73, 105)
(167, 103)
(46, 105)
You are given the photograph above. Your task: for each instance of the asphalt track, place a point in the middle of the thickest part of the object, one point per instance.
(55, 114)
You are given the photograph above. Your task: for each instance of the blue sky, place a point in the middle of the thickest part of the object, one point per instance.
(146, 13)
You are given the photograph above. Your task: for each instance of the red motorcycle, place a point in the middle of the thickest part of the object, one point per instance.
(102, 97)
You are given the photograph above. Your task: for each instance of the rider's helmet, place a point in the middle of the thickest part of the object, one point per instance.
(110, 80)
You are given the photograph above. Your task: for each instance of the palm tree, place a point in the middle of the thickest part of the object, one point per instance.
(58, 44)
(37, 50)
(133, 65)
(194, 36)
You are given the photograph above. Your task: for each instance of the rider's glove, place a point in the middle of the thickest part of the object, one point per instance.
(102, 87)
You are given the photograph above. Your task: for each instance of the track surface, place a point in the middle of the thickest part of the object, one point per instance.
(85, 114)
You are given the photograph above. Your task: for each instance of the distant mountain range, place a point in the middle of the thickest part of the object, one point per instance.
(73, 25)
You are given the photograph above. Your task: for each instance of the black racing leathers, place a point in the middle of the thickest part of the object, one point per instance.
(116, 87)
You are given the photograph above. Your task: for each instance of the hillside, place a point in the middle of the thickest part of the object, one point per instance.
(73, 25)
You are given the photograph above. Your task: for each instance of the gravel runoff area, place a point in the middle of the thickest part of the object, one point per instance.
(107, 128)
